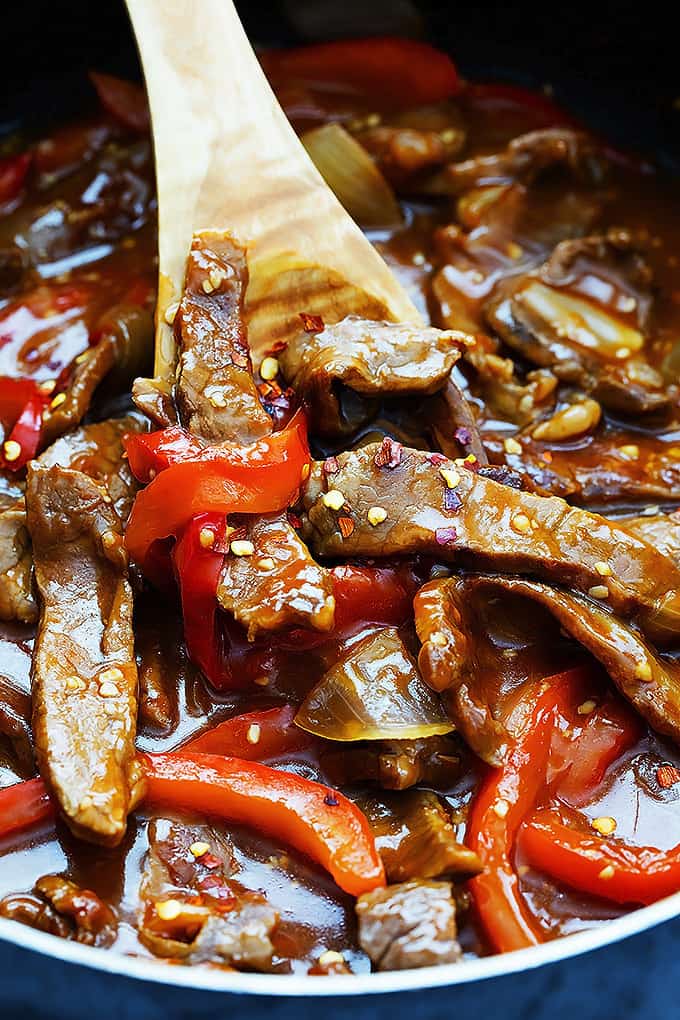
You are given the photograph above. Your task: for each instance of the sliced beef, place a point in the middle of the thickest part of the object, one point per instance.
(279, 585)
(372, 359)
(415, 837)
(585, 315)
(153, 397)
(15, 724)
(93, 922)
(84, 669)
(212, 919)
(602, 472)
(650, 681)
(62, 908)
(17, 601)
(88, 373)
(448, 662)
(435, 506)
(409, 925)
(216, 394)
(414, 142)
(525, 158)
(97, 451)
(660, 530)
(373, 692)
(397, 764)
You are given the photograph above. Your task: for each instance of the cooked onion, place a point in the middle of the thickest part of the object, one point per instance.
(351, 173)
(374, 693)
(581, 321)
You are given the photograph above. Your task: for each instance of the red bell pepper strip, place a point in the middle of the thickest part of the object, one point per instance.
(259, 478)
(602, 867)
(24, 806)
(501, 98)
(22, 404)
(606, 733)
(13, 171)
(397, 72)
(152, 452)
(124, 100)
(314, 819)
(253, 736)
(198, 567)
(502, 802)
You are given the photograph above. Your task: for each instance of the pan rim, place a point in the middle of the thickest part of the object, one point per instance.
(291, 985)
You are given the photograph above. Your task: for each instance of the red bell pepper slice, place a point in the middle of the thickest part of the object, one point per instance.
(608, 868)
(253, 736)
(124, 100)
(22, 404)
(314, 819)
(198, 568)
(371, 595)
(501, 804)
(13, 171)
(498, 98)
(559, 749)
(152, 452)
(24, 806)
(390, 71)
(259, 478)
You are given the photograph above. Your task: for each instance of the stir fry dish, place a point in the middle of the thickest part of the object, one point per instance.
(359, 651)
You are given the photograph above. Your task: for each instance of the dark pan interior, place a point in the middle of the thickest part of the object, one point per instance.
(613, 64)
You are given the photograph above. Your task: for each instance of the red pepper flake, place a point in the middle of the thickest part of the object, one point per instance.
(390, 453)
(471, 463)
(667, 776)
(331, 466)
(210, 861)
(311, 323)
(463, 436)
(547, 456)
(294, 520)
(216, 888)
(436, 459)
(446, 536)
(331, 800)
(346, 525)
(452, 500)
(276, 348)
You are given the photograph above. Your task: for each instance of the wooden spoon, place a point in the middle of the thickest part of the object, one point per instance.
(228, 160)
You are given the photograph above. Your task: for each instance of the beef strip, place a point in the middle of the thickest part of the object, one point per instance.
(550, 318)
(280, 585)
(17, 601)
(372, 359)
(448, 662)
(660, 530)
(525, 158)
(460, 515)
(97, 451)
(15, 724)
(602, 472)
(397, 764)
(87, 375)
(415, 837)
(62, 908)
(216, 394)
(94, 923)
(372, 692)
(218, 921)
(650, 681)
(84, 669)
(409, 925)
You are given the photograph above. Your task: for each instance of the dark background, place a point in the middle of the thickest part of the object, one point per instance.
(616, 66)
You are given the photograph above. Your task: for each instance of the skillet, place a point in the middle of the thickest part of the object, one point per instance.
(612, 67)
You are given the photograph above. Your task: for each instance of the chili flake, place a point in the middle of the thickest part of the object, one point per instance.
(390, 453)
(346, 525)
(463, 435)
(445, 536)
(311, 323)
(331, 465)
(667, 776)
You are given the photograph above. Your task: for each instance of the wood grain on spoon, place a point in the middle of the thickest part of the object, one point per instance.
(228, 160)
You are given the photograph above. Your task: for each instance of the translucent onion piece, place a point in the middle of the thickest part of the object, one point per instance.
(351, 173)
(580, 321)
(374, 692)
